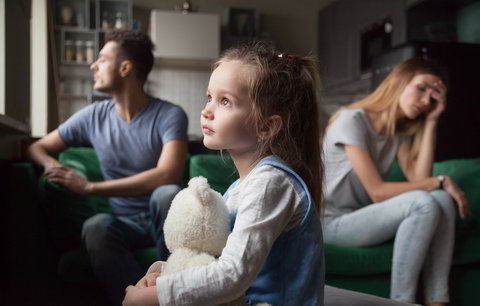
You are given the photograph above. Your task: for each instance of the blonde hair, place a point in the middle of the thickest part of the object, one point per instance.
(285, 86)
(385, 101)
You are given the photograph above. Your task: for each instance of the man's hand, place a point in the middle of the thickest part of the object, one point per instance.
(67, 178)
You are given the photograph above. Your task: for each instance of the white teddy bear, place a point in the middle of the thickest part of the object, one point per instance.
(195, 230)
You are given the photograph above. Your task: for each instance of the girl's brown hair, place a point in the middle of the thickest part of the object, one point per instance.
(285, 86)
(385, 101)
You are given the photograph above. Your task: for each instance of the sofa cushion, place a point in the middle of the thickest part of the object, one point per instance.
(219, 170)
(358, 260)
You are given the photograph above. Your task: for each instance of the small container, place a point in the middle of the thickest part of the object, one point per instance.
(69, 52)
(120, 21)
(89, 51)
(106, 24)
(79, 51)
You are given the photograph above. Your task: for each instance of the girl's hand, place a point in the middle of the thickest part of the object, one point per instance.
(135, 295)
(148, 280)
(458, 196)
(439, 95)
(151, 279)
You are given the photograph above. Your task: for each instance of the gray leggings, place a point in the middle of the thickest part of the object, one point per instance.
(423, 224)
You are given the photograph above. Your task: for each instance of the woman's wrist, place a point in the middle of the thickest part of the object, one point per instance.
(431, 122)
(441, 181)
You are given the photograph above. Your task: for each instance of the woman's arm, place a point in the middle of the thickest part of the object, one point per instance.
(422, 166)
(379, 190)
(376, 187)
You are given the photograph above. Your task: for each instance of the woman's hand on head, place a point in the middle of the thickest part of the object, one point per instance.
(439, 96)
(458, 196)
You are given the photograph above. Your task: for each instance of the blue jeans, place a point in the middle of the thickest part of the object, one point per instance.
(110, 242)
(423, 226)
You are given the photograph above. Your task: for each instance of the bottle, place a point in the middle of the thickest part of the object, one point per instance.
(119, 21)
(69, 54)
(105, 21)
(89, 52)
(79, 51)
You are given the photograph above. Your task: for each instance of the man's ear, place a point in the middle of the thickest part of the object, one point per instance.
(271, 127)
(126, 68)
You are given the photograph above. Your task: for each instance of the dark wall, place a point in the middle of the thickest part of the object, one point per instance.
(17, 60)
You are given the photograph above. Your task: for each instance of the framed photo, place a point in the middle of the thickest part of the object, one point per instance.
(242, 22)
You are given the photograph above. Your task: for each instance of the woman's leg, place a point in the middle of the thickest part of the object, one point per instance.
(439, 257)
(410, 217)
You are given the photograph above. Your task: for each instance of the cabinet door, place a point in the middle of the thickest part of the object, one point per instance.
(185, 36)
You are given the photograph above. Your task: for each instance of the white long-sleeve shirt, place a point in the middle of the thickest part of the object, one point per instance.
(266, 205)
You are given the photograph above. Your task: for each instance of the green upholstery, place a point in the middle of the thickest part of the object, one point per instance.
(219, 170)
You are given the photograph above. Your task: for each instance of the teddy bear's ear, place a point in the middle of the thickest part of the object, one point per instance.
(200, 185)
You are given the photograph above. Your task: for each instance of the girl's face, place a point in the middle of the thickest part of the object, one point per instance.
(224, 118)
(419, 95)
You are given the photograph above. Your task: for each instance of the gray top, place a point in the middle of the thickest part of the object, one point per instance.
(344, 192)
(125, 149)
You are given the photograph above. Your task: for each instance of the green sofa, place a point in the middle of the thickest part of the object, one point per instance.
(360, 269)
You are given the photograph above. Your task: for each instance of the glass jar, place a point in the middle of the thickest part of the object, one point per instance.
(106, 25)
(89, 51)
(79, 51)
(69, 52)
(119, 21)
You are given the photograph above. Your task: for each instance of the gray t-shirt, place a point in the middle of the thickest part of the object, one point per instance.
(344, 192)
(125, 149)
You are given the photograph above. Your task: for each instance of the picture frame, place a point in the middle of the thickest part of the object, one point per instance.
(242, 22)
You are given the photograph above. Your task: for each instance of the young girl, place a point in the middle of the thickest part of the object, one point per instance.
(261, 108)
(398, 120)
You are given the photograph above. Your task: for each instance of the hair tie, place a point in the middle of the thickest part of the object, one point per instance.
(289, 57)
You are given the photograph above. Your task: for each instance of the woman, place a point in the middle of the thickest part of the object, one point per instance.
(397, 121)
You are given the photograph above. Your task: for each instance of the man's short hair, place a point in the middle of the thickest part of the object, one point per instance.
(135, 46)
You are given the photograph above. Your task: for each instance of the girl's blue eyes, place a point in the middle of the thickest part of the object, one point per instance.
(224, 102)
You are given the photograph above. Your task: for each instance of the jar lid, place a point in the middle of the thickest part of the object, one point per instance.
(78, 42)
(89, 43)
(69, 42)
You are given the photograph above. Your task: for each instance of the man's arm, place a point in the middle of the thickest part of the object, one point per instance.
(42, 151)
(169, 170)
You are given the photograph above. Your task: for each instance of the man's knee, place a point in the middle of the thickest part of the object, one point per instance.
(162, 197)
(94, 229)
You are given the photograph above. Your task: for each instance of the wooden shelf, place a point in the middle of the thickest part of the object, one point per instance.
(8, 125)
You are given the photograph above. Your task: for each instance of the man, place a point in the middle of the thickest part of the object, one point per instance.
(141, 144)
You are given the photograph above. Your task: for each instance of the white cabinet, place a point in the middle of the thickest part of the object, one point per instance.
(177, 36)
